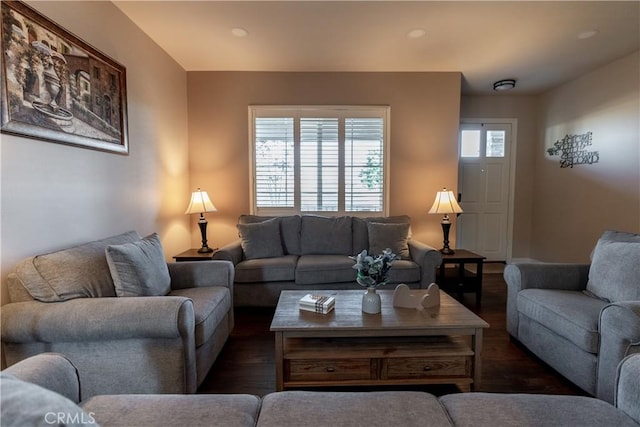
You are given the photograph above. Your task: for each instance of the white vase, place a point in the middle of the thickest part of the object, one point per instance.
(371, 302)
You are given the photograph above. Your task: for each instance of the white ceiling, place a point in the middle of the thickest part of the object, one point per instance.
(534, 42)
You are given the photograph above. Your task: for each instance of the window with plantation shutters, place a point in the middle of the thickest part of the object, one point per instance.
(326, 160)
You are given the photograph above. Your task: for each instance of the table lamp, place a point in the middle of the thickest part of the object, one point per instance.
(445, 203)
(201, 203)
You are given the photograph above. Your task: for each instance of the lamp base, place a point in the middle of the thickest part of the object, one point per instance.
(446, 225)
(202, 223)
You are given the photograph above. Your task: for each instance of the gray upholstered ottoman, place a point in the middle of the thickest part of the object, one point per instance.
(370, 409)
(238, 410)
(517, 410)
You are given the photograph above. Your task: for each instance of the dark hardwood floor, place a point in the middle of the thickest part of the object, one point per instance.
(246, 364)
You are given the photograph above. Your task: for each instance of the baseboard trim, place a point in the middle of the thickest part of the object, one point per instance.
(524, 261)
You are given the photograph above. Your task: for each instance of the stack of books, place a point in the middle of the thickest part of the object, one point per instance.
(317, 303)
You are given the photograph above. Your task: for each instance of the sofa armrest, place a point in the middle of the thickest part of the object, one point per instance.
(196, 274)
(428, 258)
(570, 277)
(628, 387)
(52, 371)
(619, 336)
(97, 319)
(231, 252)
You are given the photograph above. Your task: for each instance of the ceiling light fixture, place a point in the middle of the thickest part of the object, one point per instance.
(502, 85)
(416, 33)
(239, 32)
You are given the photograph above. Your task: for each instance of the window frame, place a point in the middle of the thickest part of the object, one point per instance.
(326, 111)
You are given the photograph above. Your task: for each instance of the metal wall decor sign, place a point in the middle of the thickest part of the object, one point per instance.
(56, 87)
(572, 150)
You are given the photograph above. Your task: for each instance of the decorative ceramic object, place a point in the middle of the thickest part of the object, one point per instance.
(403, 298)
(432, 298)
(371, 303)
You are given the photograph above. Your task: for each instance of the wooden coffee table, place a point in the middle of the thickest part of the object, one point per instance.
(398, 346)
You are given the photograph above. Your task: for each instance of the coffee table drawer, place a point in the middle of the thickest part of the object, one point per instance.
(328, 369)
(424, 367)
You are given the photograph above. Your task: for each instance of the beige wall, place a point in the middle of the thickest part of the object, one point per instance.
(573, 206)
(54, 195)
(523, 109)
(424, 123)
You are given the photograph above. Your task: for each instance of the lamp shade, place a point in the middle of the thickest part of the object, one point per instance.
(200, 202)
(445, 203)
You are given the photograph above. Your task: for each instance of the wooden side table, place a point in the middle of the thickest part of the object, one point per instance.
(194, 255)
(461, 280)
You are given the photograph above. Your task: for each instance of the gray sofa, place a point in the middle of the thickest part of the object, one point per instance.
(580, 319)
(79, 302)
(312, 252)
(45, 390)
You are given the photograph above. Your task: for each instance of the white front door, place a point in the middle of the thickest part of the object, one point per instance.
(484, 189)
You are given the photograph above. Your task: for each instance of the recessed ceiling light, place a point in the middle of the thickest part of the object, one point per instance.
(587, 34)
(416, 33)
(239, 32)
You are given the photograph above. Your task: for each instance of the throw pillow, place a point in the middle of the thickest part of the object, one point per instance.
(139, 268)
(26, 404)
(261, 239)
(387, 235)
(321, 235)
(77, 272)
(614, 273)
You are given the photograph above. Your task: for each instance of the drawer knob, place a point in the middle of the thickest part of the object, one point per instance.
(426, 368)
(330, 369)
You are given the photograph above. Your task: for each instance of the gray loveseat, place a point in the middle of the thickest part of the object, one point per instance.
(312, 252)
(163, 341)
(581, 319)
(45, 390)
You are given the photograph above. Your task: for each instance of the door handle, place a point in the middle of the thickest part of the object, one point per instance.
(459, 201)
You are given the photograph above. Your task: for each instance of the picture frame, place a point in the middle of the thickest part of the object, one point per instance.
(58, 88)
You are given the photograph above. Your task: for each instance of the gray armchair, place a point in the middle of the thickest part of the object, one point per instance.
(580, 319)
(142, 344)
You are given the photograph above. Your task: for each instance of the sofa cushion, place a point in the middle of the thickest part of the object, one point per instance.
(376, 408)
(404, 271)
(615, 267)
(266, 269)
(570, 314)
(361, 234)
(238, 410)
(261, 239)
(325, 235)
(324, 269)
(392, 236)
(516, 410)
(27, 404)
(289, 230)
(77, 272)
(210, 305)
(139, 268)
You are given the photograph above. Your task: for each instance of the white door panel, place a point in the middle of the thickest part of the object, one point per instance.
(484, 186)
(467, 226)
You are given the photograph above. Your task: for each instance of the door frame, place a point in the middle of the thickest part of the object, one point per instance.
(512, 172)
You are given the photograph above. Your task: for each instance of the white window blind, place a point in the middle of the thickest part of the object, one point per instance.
(330, 160)
(274, 164)
(364, 161)
(319, 162)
